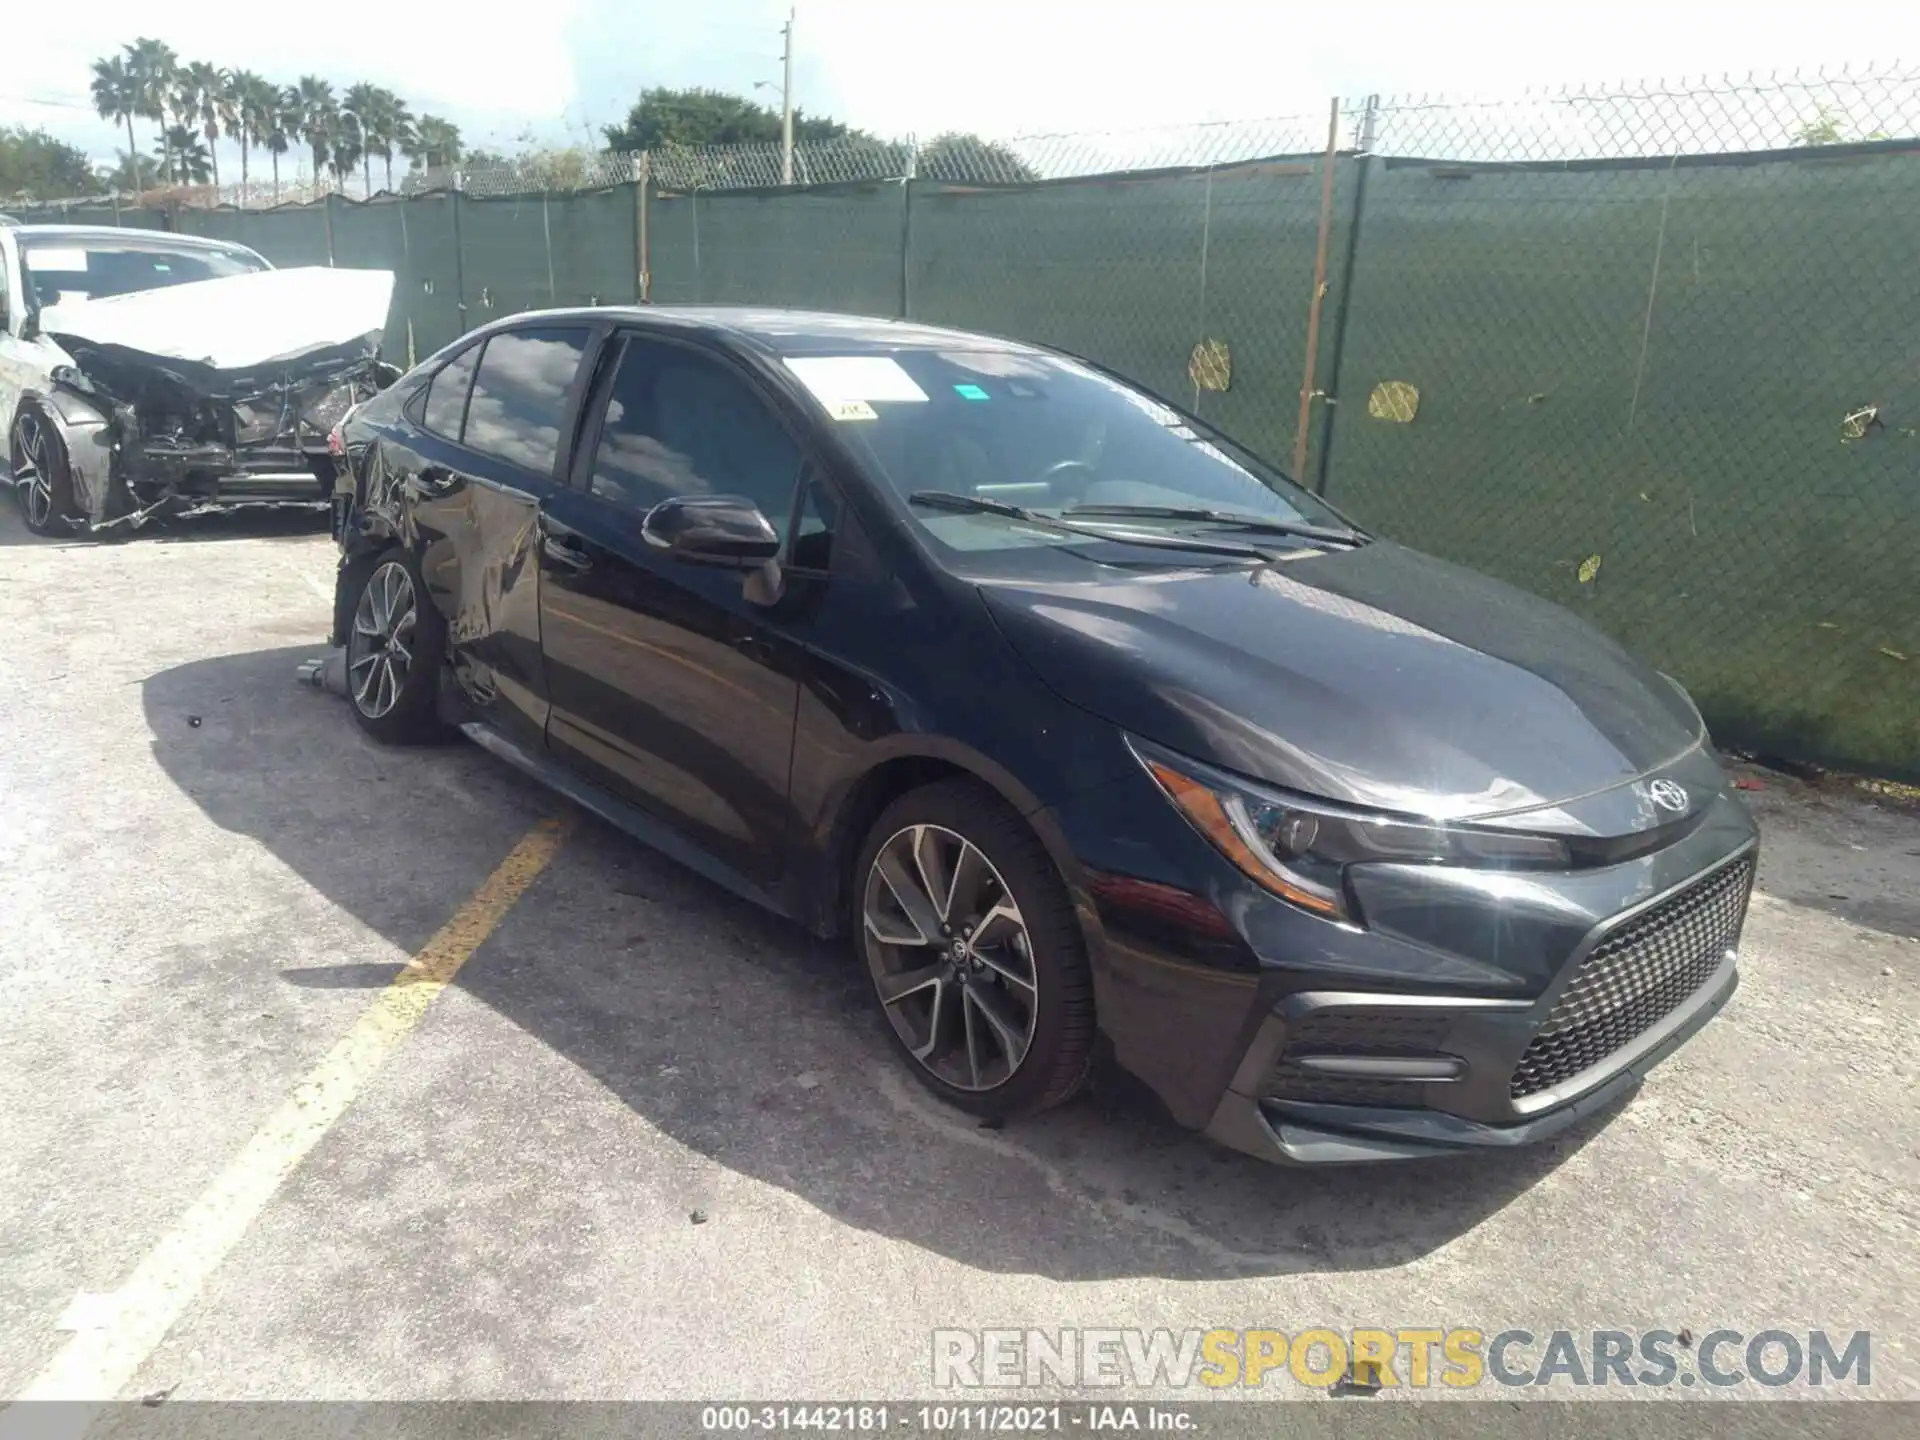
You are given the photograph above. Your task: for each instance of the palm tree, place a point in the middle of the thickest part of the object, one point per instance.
(435, 142)
(187, 153)
(365, 103)
(316, 117)
(204, 97)
(116, 95)
(284, 124)
(254, 103)
(132, 173)
(150, 67)
(399, 132)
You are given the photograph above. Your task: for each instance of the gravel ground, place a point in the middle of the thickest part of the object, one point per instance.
(650, 1143)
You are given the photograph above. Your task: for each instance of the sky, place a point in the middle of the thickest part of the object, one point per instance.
(995, 67)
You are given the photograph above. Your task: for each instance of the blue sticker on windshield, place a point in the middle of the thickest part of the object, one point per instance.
(969, 392)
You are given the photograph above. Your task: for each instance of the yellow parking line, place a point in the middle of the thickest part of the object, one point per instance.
(99, 1362)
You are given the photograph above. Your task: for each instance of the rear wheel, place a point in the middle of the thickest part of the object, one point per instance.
(395, 647)
(974, 951)
(42, 482)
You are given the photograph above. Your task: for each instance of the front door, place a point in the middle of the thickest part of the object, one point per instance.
(664, 677)
(487, 457)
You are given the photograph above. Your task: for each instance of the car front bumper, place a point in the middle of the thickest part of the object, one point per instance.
(1472, 1010)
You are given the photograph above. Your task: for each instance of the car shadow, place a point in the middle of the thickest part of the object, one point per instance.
(741, 1037)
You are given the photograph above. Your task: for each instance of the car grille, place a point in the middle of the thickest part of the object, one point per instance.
(1635, 976)
(1354, 1032)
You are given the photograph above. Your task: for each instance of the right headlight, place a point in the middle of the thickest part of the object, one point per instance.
(1299, 848)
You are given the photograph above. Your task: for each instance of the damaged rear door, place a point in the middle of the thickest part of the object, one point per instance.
(496, 419)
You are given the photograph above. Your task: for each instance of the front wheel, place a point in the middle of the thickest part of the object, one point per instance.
(975, 953)
(42, 482)
(395, 647)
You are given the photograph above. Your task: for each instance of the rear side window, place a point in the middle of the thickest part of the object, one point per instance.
(520, 394)
(447, 394)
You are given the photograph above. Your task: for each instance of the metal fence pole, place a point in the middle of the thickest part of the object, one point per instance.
(546, 233)
(1319, 291)
(643, 278)
(406, 273)
(459, 265)
(906, 227)
(1364, 160)
(699, 280)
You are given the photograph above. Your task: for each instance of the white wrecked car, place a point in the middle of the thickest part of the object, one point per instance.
(146, 373)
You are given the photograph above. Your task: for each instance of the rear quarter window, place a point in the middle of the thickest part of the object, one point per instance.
(446, 402)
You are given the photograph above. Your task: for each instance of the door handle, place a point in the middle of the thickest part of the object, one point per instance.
(567, 552)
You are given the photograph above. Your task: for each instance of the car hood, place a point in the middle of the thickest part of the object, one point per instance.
(1376, 676)
(240, 322)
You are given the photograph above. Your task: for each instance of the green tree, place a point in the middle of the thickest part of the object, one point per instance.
(663, 117)
(1824, 127)
(150, 65)
(959, 156)
(36, 166)
(317, 119)
(386, 124)
(286, 125)
(132, 173)
(116, 95)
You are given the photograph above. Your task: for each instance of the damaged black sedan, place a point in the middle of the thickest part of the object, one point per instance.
(145, 373)
(1092, 732)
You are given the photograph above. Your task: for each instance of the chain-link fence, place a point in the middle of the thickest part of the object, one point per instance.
(1650, 351)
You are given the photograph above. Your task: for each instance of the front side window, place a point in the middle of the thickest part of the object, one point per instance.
(1039, 431)
(680, 423)
(58, 270)
(519, 399)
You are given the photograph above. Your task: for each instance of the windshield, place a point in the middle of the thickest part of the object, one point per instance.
(1040, 432)
(58, 270)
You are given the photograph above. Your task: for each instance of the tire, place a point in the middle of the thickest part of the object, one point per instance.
(985, 979)
(396, 645)
(43, 483)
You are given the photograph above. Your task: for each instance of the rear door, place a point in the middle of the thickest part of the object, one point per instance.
(666, 678)
(499, 421)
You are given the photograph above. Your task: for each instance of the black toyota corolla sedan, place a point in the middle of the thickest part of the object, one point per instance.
(1095, 734)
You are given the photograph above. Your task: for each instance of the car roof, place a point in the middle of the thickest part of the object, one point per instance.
(120, 232)
(781, 332)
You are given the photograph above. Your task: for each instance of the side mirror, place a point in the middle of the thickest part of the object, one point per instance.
(724, 530)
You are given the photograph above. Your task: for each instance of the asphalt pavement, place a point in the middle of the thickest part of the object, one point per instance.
(648, 1142)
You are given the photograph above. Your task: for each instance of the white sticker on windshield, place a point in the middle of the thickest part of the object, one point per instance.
(833, 378)
(43, 260)
(852, 410)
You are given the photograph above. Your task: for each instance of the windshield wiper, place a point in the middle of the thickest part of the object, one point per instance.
(982, 505)
(1336, 535)
(979, 504)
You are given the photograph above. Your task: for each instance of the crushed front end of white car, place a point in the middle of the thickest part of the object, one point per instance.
(212, 395)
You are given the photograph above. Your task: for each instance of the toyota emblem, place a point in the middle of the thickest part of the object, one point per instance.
(1668, 795)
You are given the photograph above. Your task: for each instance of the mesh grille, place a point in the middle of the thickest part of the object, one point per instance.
(1636, 976)
(1354, 1032)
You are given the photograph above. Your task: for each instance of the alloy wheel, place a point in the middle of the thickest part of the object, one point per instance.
(950, 957)
(31, 471)
(380, 649)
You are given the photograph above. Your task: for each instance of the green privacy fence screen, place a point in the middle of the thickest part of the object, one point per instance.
(1680, 395)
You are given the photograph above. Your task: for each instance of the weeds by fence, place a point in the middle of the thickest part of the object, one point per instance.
(1650, 351)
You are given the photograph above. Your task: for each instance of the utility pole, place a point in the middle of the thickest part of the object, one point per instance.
(786, 102)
